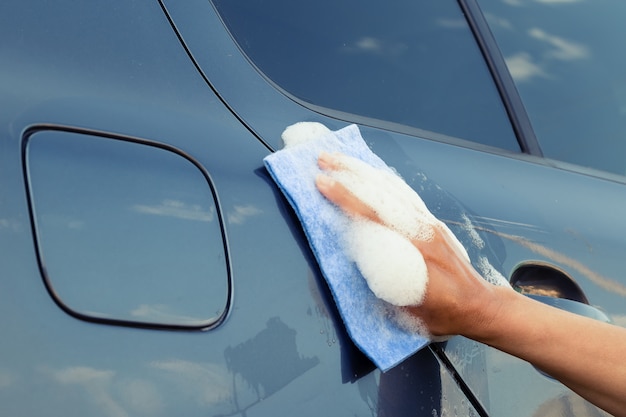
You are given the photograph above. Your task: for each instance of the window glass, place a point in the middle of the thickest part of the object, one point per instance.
(126, 231)
(413, 63)
(569, 64)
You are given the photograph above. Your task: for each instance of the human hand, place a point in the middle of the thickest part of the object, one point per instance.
(456, 295)
(458, 301)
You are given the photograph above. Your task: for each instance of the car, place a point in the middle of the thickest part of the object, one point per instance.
(150, 266)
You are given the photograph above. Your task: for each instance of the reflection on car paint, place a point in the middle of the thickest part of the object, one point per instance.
(266, 363)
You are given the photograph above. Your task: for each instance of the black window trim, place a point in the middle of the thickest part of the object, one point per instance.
(504, 82)
(516, 113)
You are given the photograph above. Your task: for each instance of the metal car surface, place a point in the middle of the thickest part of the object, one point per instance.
(132, 130)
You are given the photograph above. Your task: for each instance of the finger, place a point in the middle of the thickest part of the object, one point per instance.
(338, 194)
(395, 203)
(329, 162)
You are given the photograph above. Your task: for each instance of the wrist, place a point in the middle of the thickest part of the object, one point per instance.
(484, 316)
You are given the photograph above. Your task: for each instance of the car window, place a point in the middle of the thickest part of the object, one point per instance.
(409, 63)
(568, 62)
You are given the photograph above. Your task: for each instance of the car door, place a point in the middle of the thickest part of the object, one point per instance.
(526, 217)
(149, 266)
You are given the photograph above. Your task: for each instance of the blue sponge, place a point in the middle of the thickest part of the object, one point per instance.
(368, 319)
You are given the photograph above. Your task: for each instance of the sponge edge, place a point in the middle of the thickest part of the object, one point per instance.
(369, 320)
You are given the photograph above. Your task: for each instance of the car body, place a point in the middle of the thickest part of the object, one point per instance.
(150, 266)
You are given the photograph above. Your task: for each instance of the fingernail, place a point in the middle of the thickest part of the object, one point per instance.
(324, 160)
(324, 182)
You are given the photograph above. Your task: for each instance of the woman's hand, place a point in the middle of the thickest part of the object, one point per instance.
(584, 354)
(456, 296)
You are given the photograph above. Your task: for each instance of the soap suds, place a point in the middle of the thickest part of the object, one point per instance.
(489, 273)
(394, 269)
(407, 321)
(394, 201)
(392, 266)
(471, 231)
(397, 205)
(303, 132)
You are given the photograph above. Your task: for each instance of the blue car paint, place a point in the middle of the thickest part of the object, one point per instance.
(530, 209)
(282, 348)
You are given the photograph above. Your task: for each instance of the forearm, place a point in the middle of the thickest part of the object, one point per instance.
(586, 355)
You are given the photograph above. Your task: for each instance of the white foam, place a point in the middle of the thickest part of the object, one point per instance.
(477, 241)
(409, 322)
(489, 273)
(394, 269)
(397, 205)
(393, 200)
(303, 132)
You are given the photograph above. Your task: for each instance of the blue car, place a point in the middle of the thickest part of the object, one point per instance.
(149, 265)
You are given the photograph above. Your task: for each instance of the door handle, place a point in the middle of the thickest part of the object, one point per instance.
(552, 286)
